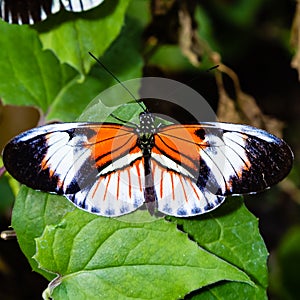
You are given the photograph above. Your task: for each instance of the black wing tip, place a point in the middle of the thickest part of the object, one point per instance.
(23, 161)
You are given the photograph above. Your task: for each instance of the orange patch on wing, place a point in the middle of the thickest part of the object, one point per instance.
(181, 143)
(44, 162)
(110, 142)
(118, 188)
(172, 186)
(161, 183)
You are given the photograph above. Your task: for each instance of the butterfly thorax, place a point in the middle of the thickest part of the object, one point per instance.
(146, 131)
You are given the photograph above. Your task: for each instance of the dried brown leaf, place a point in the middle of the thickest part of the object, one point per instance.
(188, 39)
(244, 108)
(295, 39)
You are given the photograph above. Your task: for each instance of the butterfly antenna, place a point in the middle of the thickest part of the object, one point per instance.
(119, 119)
(118, 80)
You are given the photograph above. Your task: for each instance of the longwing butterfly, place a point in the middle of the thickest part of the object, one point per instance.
(32, 11)
(181, 170)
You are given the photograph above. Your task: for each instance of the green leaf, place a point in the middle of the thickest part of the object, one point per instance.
(97, 257)
(229, 291)
(232, 234)
(73, 100)
(79, 244)
(31, 213)
(32, 76)
(205, 28)
(72, 36)
(37, 78)
(129, 112)
(71, 103)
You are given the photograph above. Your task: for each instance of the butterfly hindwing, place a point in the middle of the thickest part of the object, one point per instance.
(178, 195)
(114, 194)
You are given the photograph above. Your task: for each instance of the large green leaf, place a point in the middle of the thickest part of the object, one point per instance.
(32, 212)
(232, 234)
(104, 258)
(72, 36)
(77, 244)
(31, 76)
(97, 257)
(37, 78)
(122, 58)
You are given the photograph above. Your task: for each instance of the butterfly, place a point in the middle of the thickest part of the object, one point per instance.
(112, 169)
(32, 11)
